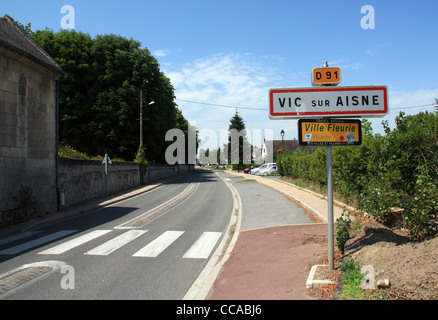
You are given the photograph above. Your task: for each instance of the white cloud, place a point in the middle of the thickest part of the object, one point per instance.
(369, 52)
(161, 53)
(373, 50)
(403, 99)
(239, 80)
(226, 79)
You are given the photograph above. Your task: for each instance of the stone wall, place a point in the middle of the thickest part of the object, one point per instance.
(27, 137)
(81, 180)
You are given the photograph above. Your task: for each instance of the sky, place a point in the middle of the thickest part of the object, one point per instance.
(227, 54)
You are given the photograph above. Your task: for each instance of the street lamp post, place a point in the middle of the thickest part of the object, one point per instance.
(282, 138)
(141, 115)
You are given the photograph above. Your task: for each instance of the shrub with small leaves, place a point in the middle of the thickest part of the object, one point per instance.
(343, 226)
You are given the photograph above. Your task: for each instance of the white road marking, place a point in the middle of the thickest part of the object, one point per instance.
(116, 243)
(63, 247)
(202, 248)
(36, 242)
(160, 244)
(18, 237)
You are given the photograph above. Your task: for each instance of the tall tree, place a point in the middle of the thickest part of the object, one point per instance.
(99, 98)
(72, 51)
(239, 149)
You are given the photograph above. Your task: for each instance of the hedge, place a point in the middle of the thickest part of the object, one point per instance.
(397, 169)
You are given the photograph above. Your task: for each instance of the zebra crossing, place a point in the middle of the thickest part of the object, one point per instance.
(200, 249)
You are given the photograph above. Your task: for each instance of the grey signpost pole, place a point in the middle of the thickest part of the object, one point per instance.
(330, 217)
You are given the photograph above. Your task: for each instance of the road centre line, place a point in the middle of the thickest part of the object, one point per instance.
(142, 219)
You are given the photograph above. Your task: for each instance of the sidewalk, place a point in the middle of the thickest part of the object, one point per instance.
(315, 203)
(273, 263)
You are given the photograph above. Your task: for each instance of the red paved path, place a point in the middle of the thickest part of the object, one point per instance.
(271, 264)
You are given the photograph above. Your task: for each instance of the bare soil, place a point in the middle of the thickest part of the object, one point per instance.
(411, 267)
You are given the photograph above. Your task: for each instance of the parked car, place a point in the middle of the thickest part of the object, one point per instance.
(254, 170)
(262, 167)
(267, 171)
(247, 170)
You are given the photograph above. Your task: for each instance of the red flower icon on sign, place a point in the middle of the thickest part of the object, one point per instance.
(341, 138)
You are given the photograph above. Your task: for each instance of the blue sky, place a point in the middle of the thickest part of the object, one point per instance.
(231, 52)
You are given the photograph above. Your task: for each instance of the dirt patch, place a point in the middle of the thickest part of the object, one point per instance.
(326, 292)
(412, 268)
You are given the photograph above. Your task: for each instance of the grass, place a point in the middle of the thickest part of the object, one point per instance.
(352, 277)
(352, 288)
(246, 180)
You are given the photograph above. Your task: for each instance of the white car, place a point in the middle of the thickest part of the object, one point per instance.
(256, 171)
(267, 171)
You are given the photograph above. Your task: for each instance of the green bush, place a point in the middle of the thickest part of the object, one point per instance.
(141, 155)
(397, 169)
(343, 227)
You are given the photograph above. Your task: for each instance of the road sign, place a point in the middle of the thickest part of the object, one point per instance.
(329, 132)
(330, 102)
(326, 76)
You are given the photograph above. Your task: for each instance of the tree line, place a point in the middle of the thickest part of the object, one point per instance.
(100, 95)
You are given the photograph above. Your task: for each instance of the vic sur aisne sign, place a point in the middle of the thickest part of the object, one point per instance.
(360, 102)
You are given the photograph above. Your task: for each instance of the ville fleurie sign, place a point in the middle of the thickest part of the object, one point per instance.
(328, 102)
(329, 132)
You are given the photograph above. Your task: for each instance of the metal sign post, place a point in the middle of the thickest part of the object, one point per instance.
(330, 216)
(106, 161)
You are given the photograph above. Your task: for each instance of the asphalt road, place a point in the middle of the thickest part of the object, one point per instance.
(152, 246)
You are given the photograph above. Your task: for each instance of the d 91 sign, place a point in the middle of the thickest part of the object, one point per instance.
(326, 76)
